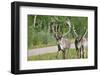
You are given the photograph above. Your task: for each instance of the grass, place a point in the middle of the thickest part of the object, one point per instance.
(71, 54)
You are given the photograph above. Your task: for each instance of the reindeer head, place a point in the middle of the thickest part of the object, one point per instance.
(58, 36)
(56, 32)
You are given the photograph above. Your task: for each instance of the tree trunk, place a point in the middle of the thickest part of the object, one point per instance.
(34, 20)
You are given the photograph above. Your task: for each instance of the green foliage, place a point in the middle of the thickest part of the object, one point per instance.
(40, 39)
(30, 31)
(40, 33)
(80, 23)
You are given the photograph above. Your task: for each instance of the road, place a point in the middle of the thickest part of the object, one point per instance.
(44, 50)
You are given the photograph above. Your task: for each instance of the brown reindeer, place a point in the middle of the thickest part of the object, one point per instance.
(63, 45)
(80, 44)
(80, 41)
(62, 42)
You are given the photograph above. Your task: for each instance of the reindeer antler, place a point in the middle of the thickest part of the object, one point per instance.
(74, 31)
(69, 24)
(85, 33)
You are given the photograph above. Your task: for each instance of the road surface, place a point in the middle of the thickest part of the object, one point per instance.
(44, 50)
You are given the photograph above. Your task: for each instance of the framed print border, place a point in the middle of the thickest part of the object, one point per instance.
(15, 37)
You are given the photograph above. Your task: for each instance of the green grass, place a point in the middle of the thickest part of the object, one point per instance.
(71, 54)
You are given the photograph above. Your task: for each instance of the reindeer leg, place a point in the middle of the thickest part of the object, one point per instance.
(68, 56)
(80, 52)
(57, 54)
(58, 51)
(83, 52)
(77, 51)
(83, 55)
(63, 53)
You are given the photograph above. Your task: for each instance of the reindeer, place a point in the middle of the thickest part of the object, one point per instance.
(62, 42)
(80, 43)
(80, 46)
